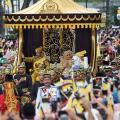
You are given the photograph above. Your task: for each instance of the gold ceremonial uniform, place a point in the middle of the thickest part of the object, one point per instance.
(37, 63)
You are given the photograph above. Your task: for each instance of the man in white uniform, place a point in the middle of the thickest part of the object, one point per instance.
(45, 96)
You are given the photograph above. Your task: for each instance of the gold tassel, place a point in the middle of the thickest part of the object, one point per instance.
(10, 98)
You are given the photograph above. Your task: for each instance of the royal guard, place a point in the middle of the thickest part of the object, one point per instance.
(23, 82)
(46, 95)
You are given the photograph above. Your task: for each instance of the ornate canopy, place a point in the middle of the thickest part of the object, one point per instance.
(54, 14)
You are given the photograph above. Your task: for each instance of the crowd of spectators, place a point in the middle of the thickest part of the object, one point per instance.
(103, 85)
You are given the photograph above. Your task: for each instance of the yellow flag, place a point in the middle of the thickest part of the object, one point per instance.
(110, 104)
(8, 3)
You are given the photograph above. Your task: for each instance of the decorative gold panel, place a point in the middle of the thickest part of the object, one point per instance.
(67, 39)
(51, 44)
(56, 41)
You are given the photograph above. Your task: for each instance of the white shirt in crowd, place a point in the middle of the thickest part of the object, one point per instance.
(95, 114)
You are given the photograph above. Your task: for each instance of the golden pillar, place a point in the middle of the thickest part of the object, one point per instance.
(20, 47)
(94, 50)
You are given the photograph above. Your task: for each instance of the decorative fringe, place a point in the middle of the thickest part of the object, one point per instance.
(73, 26)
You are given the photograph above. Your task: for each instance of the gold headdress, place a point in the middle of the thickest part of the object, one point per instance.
(40, 49)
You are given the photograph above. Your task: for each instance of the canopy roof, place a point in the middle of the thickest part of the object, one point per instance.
(56, 6)
(54, 13)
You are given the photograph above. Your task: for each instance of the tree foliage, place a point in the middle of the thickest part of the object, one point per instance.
(89, 0)
(26, 3)
(1, 16)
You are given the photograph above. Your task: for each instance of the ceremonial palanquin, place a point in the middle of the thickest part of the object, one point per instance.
(57, 25)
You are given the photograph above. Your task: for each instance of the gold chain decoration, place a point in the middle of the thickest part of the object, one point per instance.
(53, 18)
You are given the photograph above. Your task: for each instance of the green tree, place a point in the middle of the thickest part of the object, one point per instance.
(114, 10)
(1, 18)
(26, 3)
(12, 6)
(88, 0)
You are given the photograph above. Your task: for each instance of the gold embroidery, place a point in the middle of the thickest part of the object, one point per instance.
(51, 7)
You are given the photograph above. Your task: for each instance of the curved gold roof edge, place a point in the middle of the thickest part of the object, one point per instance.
(91, 18)
(56, 6)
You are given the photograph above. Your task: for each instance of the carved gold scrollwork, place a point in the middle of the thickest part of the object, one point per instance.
(67, 40)
(51, 44)
(56, 41)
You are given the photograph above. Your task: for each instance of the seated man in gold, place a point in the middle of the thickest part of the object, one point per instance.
(38, 62)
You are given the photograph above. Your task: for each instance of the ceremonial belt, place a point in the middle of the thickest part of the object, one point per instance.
(44, 100)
